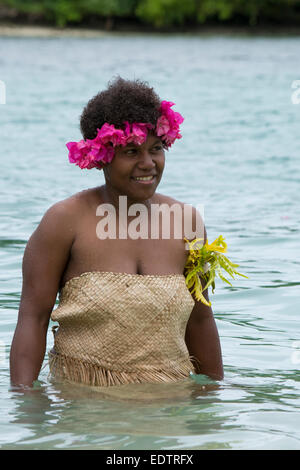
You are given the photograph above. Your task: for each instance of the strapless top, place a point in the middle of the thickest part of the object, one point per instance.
(119, 328)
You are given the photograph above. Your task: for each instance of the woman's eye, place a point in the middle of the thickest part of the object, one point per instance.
(130, 152)
(134, 151)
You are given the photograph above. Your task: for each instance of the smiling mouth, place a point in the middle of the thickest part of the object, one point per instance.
(144, 179)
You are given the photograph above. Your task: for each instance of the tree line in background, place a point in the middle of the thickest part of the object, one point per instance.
(156, 13)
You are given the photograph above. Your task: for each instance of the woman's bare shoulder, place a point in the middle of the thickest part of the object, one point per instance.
(192, 217)
(73, 204)
(165, 199)
(62, 219)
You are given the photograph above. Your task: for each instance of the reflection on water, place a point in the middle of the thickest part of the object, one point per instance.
(153, 411)
(239, 157)
(184, 415)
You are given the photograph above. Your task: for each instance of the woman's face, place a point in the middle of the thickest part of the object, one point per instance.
(136, 170)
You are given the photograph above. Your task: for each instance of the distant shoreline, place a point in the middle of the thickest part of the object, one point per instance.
(49, 31)
(36, 31)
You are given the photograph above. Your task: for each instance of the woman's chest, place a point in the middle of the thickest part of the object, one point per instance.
(136, 256)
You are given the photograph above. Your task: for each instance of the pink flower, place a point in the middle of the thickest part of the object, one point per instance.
(108, 133)
(136, 132)
(162, 126)
(139, 134)
(89, 154)
(168, 123)
(107, 155)
(77, 150)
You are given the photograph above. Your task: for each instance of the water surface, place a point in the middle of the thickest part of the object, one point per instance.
(239, 157)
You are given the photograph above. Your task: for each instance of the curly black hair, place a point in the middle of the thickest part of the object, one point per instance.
(123, 100)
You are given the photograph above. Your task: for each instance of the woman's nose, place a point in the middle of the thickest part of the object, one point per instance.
(146, 161)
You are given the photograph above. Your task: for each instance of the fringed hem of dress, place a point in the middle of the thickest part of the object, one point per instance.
(75, 370)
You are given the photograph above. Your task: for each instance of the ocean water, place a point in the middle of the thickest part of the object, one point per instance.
(239, 158)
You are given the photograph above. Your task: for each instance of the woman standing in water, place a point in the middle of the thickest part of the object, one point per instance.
(125, 313)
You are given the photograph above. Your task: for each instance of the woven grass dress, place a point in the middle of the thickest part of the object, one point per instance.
(120, 328)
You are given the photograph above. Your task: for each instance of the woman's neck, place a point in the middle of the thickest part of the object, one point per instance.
(112, 196)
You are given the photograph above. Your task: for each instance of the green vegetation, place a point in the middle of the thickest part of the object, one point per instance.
(156, 13)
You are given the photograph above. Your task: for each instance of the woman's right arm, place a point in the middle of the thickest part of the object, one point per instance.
(45, 258)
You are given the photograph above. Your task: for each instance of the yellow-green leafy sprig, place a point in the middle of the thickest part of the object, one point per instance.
(205, 261)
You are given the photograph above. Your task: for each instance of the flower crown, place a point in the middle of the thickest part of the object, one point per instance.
(95, 153)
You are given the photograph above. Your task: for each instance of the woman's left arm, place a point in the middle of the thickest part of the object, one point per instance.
(201, 336)
(202, 340)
